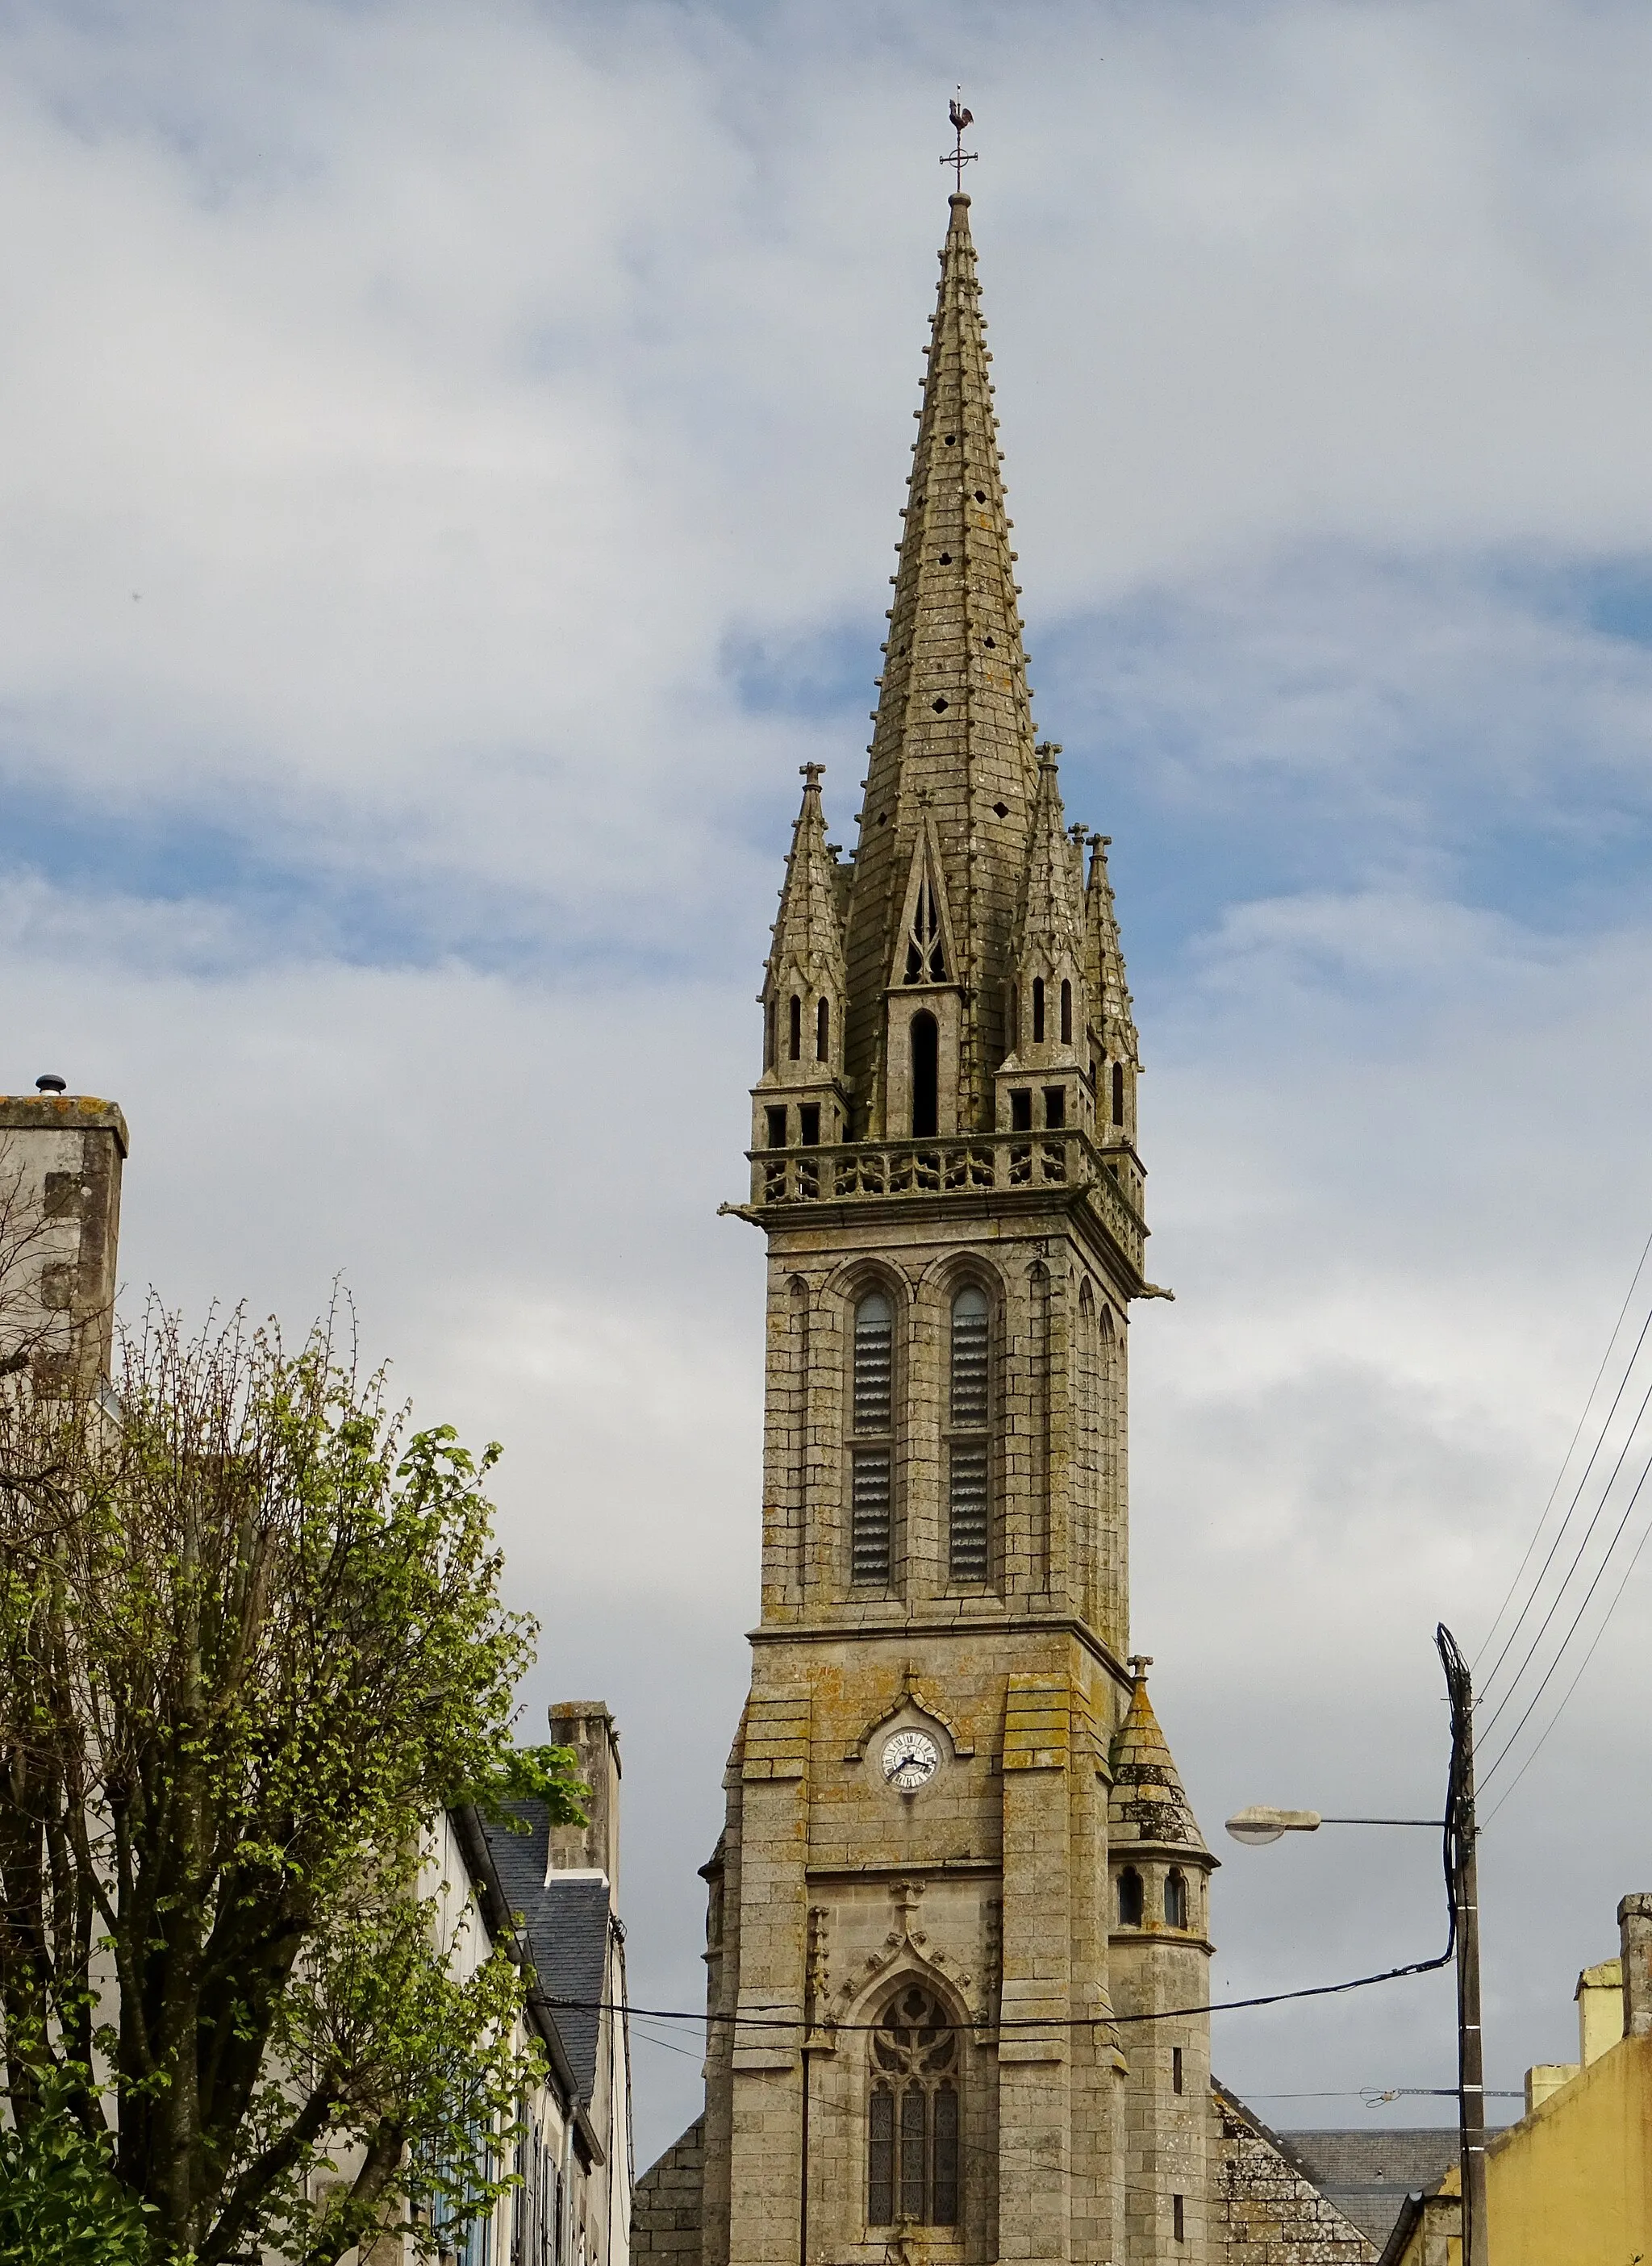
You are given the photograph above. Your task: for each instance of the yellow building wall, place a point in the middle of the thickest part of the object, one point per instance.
(1571, 2184)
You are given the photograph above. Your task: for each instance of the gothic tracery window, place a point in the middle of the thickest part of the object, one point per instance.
(872, 1455)
(926, 951)
(912, 2151)
(969, 1495)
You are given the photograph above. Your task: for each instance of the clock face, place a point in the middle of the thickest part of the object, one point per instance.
(910, 1759)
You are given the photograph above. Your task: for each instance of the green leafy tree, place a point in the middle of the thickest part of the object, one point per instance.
(251, 1647)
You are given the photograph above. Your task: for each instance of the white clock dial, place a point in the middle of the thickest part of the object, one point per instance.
(910, 1759)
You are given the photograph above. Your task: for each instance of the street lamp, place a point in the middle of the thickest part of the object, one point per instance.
(1260, 1825)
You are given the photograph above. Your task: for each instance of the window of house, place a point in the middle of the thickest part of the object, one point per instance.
(776, 1117)
(1132, 1904)
(913, 2142)
(1175, 1900)
(1055, 1106)
(969, 1480)
(824, 1031)
(1175, 2069)
(872, 1454)
(1020, 1109)
(1038, 1010)
(1118, 1094)
(926, 1043)
(808, 1124)
(1066, 1013)
(1179, 2218)
(795, 1037)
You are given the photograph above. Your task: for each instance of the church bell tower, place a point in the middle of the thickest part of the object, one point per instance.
(956, 1851)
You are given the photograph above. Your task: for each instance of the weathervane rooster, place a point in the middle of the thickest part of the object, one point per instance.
(959, 157)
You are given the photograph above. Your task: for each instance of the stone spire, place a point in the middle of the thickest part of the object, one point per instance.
(952, 747)
(1148, 1805)
(804, 988)
(1115, 1050)
(1048, 991)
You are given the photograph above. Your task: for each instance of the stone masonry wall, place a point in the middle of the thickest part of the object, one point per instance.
(666, 2208)
(1269, 2213)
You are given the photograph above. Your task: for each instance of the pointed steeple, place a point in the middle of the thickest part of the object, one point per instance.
(1148, 1805)
(953, 731)
(805, 984)
(1115, 1047)
(1048, 996)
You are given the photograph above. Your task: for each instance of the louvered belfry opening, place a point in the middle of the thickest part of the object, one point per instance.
(872, 1456)
(912, 2140)
(968, 1459)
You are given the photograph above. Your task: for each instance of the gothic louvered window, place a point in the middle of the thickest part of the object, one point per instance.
(1175, 1900)
(925, 1040)
(968, 1486)
(871, 1453)
(913, 2139)
(926, 951)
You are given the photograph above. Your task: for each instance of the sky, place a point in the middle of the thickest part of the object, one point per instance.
(453, 460)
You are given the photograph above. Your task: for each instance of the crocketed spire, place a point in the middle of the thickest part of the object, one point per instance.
(1110, 1003)
(953, 736)
(804, 982)
(1047, 1021)
(1148, 1805)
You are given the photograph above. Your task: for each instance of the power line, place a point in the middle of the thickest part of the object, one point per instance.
(1537, 1532)
(1010, 2023)
(1503, 1754)
(1634, 1560)
(1599, 1512)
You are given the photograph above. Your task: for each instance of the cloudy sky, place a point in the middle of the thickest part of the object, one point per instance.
(452, 461)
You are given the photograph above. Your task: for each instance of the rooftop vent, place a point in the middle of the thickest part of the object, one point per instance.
(52, 1084)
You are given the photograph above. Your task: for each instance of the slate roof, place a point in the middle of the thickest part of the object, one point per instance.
(1369, 2172)
(566, 1924)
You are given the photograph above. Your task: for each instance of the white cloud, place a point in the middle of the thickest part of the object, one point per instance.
(462, 393)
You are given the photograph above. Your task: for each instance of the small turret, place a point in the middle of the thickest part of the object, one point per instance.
(802, 1100)
(1044, 1080)
(1114, 1050)
(1160, 1961)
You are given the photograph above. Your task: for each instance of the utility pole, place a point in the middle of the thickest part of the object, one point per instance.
(1465, 1880)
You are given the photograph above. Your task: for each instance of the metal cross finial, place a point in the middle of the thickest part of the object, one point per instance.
(960, 157)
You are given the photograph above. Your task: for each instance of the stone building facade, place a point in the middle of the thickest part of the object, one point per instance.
(958, 1936)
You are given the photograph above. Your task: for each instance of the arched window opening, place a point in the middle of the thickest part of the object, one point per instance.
(768, 1034)
(1038, 1010)
(912, 2151)
(1118, 1094)
(1175, 1900)
(824, 1031)
(925, 947)
(1132, 1902)
(1066, 1013)
(872, 1457)
(925, 1041)
(969, 1482)
(795, 1044)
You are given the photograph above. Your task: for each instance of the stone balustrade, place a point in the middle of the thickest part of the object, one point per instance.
(963, 1164)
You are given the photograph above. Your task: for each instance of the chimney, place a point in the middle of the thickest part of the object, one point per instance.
(61, 1155)
(587, 1726)
(1635, 1936)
